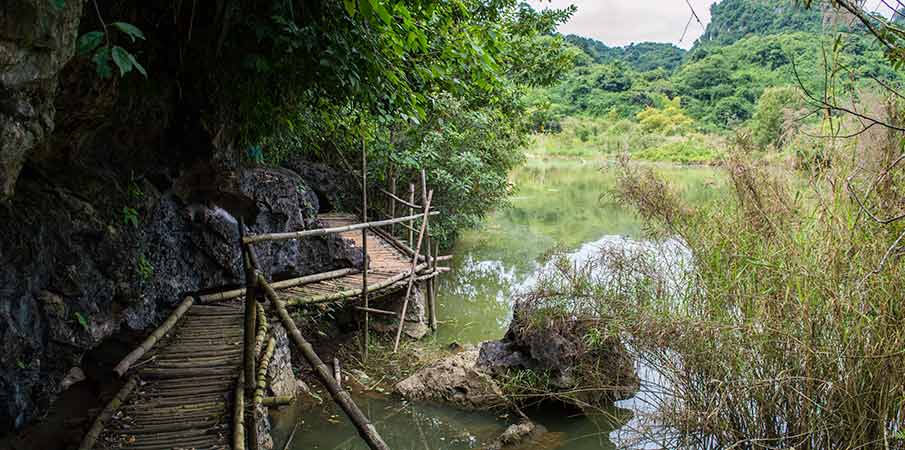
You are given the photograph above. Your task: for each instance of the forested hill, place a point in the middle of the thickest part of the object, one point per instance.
(749, 46)
(732, 20)
(642, 57)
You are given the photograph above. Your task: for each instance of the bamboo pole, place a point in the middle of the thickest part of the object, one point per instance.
(364, 247)
(392, 195)
(98, 426)
(263, 327)
(431, 301)
(239, 413)
(433, 285)
(251, 311)
(412, 215)
(157, 335)
(291, 436)
(280, 400)
(251, 265)
(324, 231)
(329, 297)
(402, 201)
(261, 384)
(292, 282)
(379, 311)
(408, 290)
(365, 429)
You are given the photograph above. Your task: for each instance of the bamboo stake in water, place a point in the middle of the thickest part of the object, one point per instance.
(408, 290)
(364, 246)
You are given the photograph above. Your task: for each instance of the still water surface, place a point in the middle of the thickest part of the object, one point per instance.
(559, 205)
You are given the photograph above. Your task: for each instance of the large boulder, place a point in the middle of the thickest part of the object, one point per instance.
(454, 380)
(600, 371)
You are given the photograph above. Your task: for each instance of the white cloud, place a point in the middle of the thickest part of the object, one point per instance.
(622, 22)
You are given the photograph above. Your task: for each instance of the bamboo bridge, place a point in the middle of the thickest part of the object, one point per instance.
(198, 380)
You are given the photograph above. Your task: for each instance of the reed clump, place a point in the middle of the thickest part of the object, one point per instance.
(772, 319)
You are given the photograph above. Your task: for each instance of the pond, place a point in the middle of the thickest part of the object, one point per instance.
(559, 205)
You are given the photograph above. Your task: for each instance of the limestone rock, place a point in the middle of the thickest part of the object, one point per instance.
(517, 436)
(416, 326)
(453, 380)
(36, 40)
(73, 275)
(561, 352)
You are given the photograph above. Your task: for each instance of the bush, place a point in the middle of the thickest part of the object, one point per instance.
(691, 150)
(769, 123)
(668, 120)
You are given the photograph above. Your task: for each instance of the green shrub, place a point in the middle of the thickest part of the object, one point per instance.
(768, 125)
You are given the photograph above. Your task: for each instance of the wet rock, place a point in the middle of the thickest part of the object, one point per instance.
(360, 377)
(453, 380)
(416, 326)
(74, 376)
(604, 372)
(281, 378)
(334, 188)
(518, 435)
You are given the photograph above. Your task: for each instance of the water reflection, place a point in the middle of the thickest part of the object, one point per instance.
(559, 206)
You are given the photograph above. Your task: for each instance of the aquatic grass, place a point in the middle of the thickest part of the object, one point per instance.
(780, 333)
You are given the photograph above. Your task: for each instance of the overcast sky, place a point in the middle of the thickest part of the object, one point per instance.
(621, 22)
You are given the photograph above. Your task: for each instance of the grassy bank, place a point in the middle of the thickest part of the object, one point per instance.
(603, 138)
(785, 330)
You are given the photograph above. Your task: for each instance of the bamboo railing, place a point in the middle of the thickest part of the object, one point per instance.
(256, 283)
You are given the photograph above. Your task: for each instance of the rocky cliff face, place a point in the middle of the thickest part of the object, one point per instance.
(117, 197)
(75, 270)
(37, 39)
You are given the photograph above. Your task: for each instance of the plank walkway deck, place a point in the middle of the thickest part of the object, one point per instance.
(185, 384)
(386, 261)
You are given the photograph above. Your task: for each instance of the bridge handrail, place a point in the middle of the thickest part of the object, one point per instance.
(324, 231)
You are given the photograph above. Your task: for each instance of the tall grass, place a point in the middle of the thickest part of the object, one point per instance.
(787, 328)
(607, 137)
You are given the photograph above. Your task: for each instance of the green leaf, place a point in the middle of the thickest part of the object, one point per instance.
(138, 66)
(131, 30)
(89, 42)
(351, 8)
(58, 4)
(123, 60)
(381, 11)
(82, 320)
(101, 61)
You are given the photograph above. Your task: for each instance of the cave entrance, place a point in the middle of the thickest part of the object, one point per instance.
(323, 203)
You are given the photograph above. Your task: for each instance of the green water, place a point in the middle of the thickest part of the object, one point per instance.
(564, 205)
(559, 205)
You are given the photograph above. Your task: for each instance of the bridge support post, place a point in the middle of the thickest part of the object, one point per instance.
(249, 378)
(364, 250)
(429, 286)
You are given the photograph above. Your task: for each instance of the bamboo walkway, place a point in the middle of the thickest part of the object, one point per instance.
(386, 270)
(183, 390)
(183, 381)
